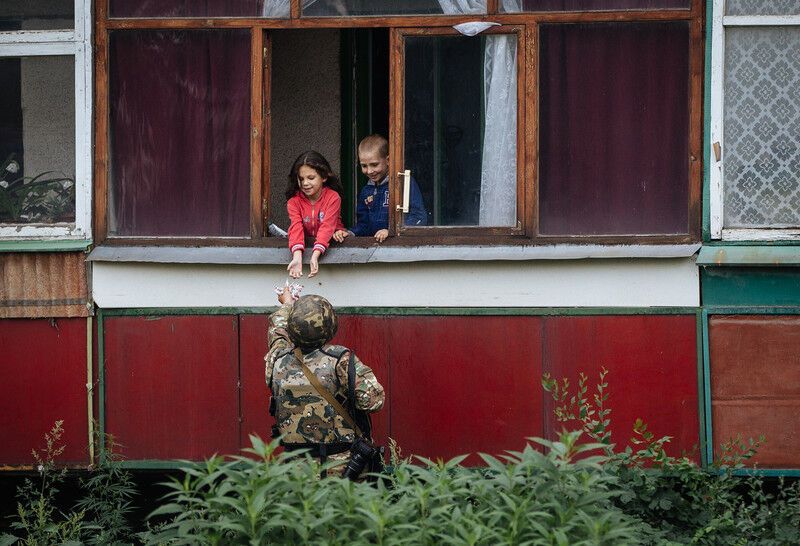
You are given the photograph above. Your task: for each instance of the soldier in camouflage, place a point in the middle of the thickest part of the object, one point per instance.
(303, 418)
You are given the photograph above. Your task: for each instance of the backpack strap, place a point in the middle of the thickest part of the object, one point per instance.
(362, 417)
(326, 394)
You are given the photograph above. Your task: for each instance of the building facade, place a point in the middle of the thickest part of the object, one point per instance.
(583, 213)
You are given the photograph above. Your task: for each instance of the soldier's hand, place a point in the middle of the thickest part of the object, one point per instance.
(286, 296)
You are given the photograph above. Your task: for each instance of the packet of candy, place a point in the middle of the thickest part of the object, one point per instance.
(294, 289)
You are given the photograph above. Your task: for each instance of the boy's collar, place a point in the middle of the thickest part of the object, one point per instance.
(381, 183)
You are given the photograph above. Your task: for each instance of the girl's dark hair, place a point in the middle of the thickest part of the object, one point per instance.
(316, 161)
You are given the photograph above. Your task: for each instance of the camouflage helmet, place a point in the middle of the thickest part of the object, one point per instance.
(312, 322)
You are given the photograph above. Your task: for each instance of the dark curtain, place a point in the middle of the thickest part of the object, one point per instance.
(614, 129)
(185, 8)
(180, 119)
(599, 5)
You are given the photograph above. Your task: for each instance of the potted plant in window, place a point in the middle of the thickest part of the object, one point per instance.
(46, 198)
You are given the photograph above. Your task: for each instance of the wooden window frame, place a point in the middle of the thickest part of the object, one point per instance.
(396, 139)
(720, 22)
(525, 24)
(75, 43)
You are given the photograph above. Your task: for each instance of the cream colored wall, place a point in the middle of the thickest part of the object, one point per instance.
(544, 283)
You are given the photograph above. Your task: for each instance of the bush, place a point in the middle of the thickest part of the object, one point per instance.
(559, 496)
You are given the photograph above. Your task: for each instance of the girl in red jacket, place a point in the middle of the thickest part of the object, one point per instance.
(314, 201)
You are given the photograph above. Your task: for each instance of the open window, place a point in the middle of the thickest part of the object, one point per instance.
(456, 137)
(45, 113)
(577, 122)
(755, 110)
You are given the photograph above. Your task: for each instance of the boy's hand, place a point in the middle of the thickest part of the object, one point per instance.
(341, 235)
(295, 267)
(381, 235)
(314, 264)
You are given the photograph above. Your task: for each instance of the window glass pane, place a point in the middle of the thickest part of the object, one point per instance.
(762, 7)
(460, 138)
(37, 140)
(322, 8)
(37, 14)
(614, 112)
(761, 127)
(195, 8)
(514, 6)
(180, 118)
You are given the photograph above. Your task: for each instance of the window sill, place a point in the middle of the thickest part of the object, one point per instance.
(45, 245)
(386, 254)
(753, 256)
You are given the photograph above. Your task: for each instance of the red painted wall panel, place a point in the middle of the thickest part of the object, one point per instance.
(464, 384)
(42, 380)
(368, 336)
(652, 364)
(171, 385)
(254, 394)
(755, 384)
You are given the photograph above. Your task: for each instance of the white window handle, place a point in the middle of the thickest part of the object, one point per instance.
(406, 176)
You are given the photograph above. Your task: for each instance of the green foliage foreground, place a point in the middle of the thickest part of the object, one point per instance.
(571, 491)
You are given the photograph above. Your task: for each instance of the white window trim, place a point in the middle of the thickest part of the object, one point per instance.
(717, 168)
(76, 43)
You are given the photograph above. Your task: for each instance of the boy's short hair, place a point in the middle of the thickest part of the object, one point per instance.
(374, 143)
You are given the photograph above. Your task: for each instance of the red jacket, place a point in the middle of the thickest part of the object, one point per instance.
(317, 220)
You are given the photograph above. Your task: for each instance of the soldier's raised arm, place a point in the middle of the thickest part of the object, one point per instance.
(277, 335)
(369, 392)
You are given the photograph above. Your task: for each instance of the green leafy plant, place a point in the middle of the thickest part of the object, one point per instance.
(674, 500)
(100, 516)
(109, 491)
(38, 520)
(45, 198)
(559, 494)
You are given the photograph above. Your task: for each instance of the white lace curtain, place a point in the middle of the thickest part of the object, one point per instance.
(499, 165)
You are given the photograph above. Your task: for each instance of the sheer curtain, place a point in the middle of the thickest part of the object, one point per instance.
(275, 8)
(498, 205)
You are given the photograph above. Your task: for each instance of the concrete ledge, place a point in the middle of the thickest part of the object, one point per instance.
(386, 254)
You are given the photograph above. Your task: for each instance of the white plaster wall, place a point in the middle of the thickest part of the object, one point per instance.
(578, 283)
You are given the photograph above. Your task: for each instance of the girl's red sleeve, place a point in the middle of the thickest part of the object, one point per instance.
(296, 236)
(331, 221)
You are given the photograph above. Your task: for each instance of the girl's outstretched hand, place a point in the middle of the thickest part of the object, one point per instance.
(313, 264)
(340, 235)
(295, 267)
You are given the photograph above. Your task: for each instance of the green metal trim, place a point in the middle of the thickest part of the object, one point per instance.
(768, 472)
(701, 387)
(786, 242)
(749, 256)
(63, 245)
(411, 311)
(707, 433)
(751, 310)
(101, 379)
(166, 311)
(516, 311)
(750, 286)
(706, 235)
(155, 464)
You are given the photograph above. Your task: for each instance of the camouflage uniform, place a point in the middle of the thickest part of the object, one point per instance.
(302, 415)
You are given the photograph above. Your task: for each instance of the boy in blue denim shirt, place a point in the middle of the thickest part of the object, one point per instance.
(372, 212)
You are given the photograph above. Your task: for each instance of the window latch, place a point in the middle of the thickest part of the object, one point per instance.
(406, 178)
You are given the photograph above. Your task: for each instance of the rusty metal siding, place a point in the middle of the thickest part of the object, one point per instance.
(41, 285)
